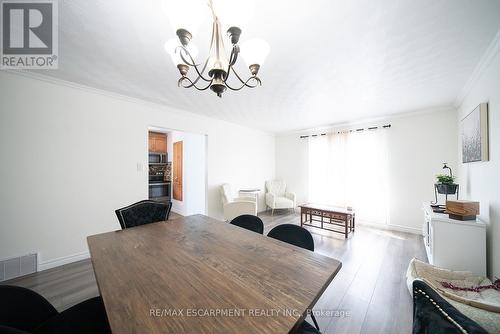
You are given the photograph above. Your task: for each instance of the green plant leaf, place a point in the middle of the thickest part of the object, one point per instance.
(445, 179)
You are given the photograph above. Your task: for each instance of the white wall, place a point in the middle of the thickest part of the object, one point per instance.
(194, 174)
(71, 156)
(292, 164)
(170, 146)
(418, 145)
(480, 181)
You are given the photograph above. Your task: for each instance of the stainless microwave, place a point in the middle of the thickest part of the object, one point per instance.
(157, 158)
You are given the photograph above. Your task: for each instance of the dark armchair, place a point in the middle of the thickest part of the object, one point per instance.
(143, 212)
(25, 311)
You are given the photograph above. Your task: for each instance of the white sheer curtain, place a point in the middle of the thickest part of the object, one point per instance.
(350, 169)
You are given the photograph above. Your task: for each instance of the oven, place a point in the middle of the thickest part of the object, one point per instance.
(159, 190)
(159, 184)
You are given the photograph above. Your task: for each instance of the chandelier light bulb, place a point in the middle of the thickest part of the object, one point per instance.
(255, 51)
(174, 52)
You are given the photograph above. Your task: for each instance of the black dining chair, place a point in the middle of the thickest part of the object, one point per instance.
(25, 311)
(249, 222)
(293, 234)
(300, 237)
(143, 212)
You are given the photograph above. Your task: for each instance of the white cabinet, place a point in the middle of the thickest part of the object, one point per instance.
(454, 244)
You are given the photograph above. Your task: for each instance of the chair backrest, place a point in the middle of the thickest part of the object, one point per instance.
(293, 234)
(276, 187)
(226, 194)
(143, 212)
(249, 222)
(23, 309)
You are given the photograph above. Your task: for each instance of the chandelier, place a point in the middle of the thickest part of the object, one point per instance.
(218, 68)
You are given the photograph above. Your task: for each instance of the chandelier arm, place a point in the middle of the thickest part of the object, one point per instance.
(233, 57)
(192, 84)
(200, 75)
(182, 48)
(232, 60)
(193, 64)
(245, 84)
(237, 75)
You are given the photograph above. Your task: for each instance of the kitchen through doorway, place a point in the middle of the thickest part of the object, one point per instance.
(177, 170)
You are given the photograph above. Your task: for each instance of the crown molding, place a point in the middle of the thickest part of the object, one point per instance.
(485, 61)
(154, 104)
(362, 122)
(89, 89)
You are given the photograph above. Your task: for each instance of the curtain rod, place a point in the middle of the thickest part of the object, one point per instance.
(349, 131)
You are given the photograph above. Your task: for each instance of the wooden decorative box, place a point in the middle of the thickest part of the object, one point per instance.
(462, 210)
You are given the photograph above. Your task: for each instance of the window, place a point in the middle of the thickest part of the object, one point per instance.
(350, 169)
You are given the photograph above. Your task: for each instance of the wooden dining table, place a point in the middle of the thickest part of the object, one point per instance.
(199, 275)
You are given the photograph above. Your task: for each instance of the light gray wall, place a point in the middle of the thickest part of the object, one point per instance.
(480, 181)
(71, 156)
(418, 144)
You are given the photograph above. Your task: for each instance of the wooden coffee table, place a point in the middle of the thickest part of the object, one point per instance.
(329, 217)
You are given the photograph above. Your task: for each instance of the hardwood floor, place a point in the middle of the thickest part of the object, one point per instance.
(370, 289)
(369, 294)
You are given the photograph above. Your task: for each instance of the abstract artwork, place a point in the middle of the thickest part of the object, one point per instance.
(475, 135)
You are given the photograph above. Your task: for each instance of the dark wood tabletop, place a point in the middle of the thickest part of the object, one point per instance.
(199, 275)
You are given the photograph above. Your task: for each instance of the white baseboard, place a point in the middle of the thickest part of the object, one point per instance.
(176, 211)
(49, 264)
(390, 227)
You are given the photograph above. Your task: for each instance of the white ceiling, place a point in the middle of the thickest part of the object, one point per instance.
(331, 61)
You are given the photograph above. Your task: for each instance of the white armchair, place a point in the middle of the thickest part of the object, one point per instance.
(277, 197)
(236, 206)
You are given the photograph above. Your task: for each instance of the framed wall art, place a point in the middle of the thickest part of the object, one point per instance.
(475, 135)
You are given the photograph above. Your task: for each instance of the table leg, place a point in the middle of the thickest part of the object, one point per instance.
(353, 222)
(301, 216)
(346, 226)
(322, 215)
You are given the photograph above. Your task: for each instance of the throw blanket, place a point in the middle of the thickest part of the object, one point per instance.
(483, 306)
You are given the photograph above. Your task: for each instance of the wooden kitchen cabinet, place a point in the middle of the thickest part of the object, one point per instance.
(157, 142)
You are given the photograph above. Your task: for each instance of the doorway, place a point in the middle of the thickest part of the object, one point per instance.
(185, 170)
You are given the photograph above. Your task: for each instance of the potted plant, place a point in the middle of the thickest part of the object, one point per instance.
(445, 184)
